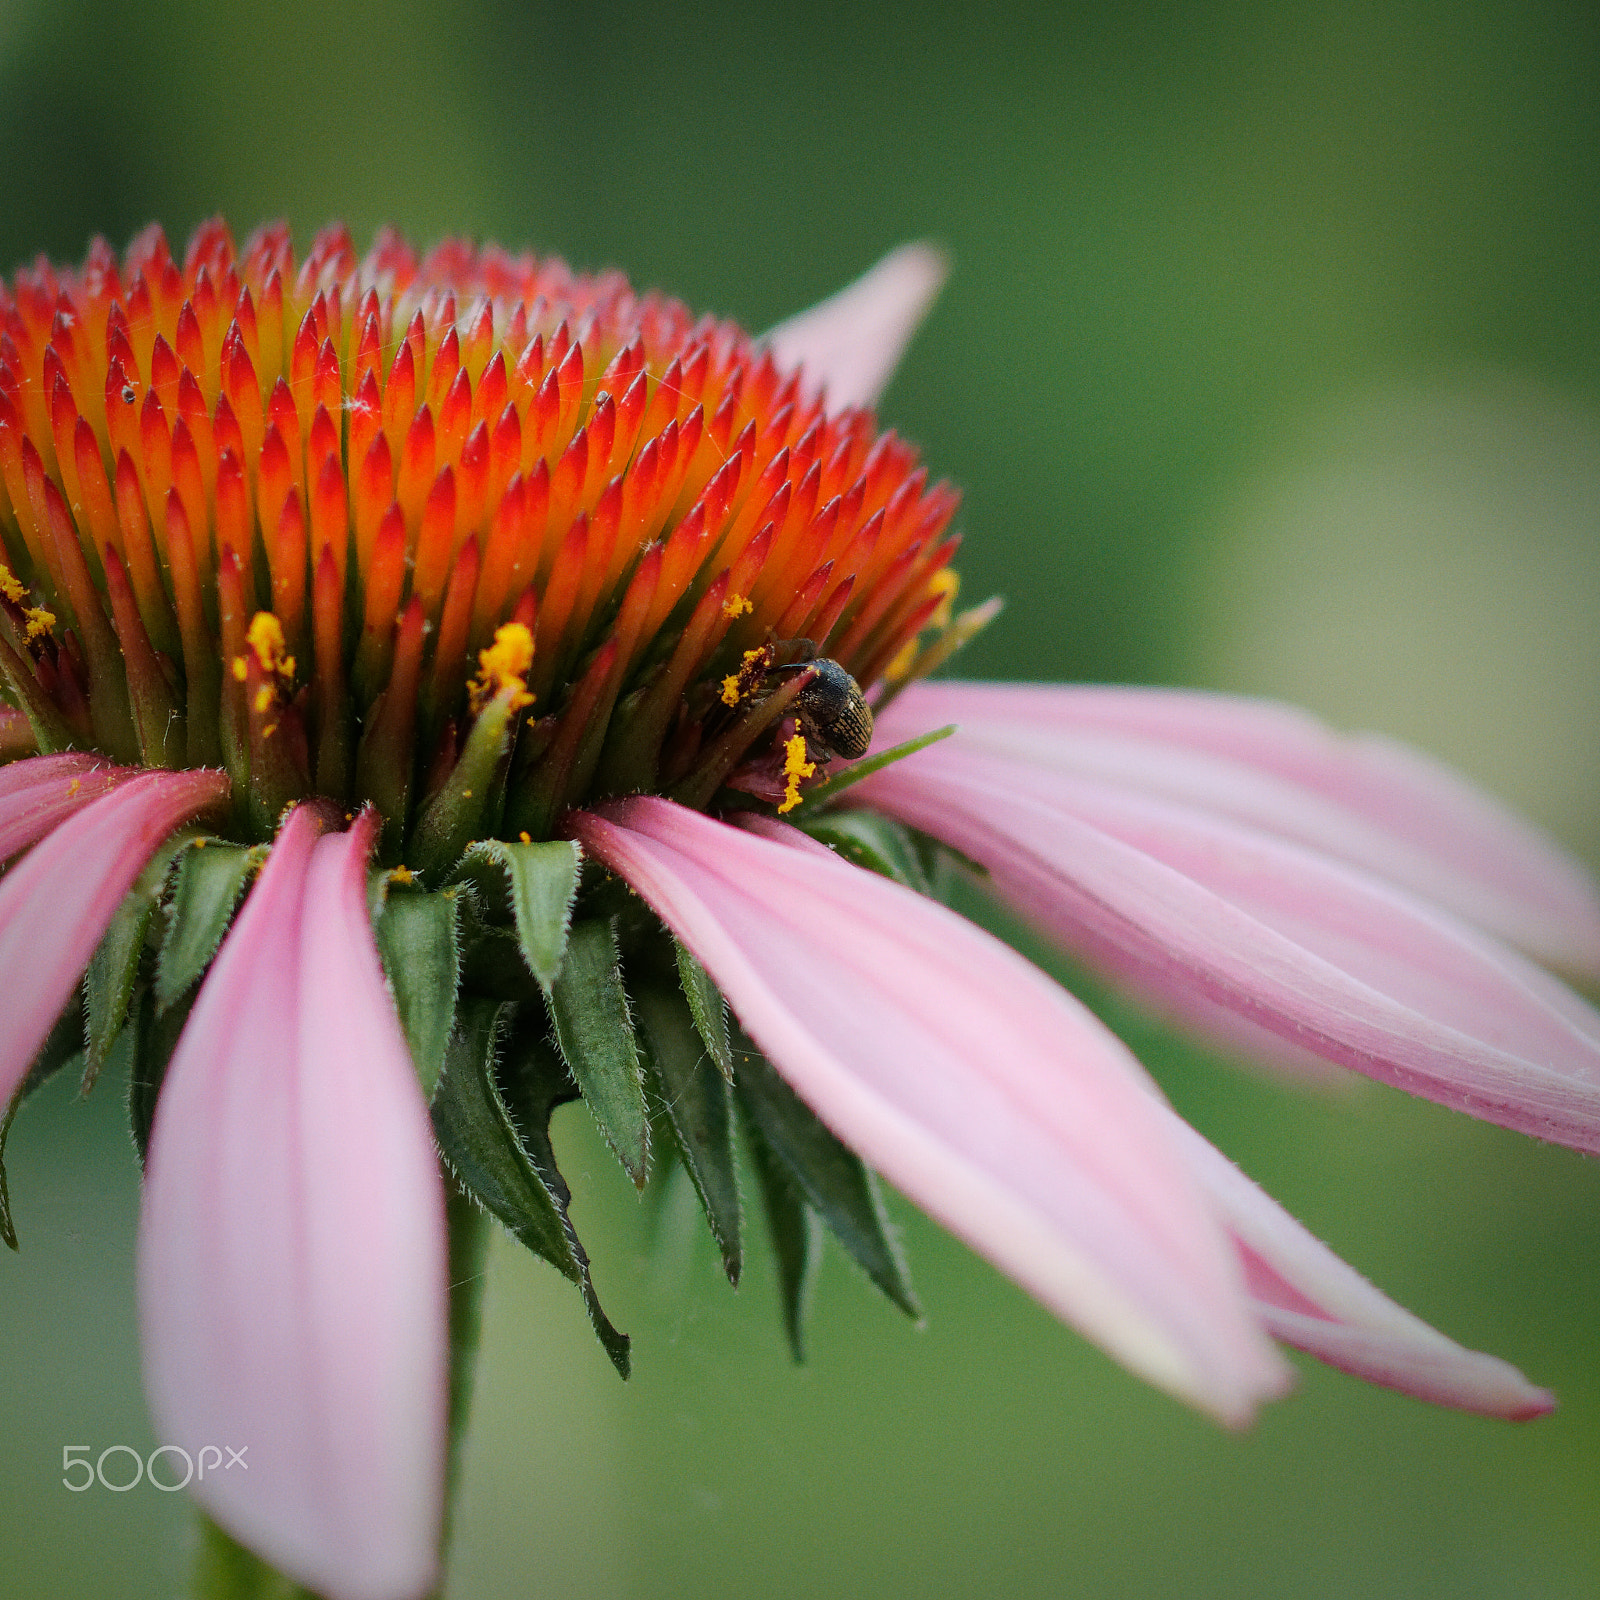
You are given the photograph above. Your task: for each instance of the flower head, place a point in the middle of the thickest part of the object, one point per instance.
(269, 515)
(556, 601)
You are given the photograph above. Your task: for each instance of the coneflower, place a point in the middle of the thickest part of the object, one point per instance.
(437, 686)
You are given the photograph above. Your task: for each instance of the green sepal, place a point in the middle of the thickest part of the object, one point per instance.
(831, 1176)
(543, 883)
(480, 1142)
(533, 1083)
(831, 788)
(873, 842)
(62, 1044)
(492, 964)
(378, 882)
(707, 1007)
(114, 966)
(511, 1169)
(699, 1111)
(151, 1035)
(589, 1008)
(64, 1041)
(420, 947)
(211, 877)
(942, 863)
(796, 1234)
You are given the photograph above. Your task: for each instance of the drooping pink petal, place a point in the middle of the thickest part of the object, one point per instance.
(1309, 1298)
(41, 791)
(969, 1080)
(57, 901)
(1365, 800)
(292, 1277)
(850, 343)
(1185, 905)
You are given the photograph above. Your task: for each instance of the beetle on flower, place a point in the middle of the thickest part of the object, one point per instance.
(403, 739)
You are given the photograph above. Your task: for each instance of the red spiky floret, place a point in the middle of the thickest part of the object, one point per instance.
(396, 460)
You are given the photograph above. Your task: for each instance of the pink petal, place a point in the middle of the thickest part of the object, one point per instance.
(1367, 800)
(969, 1080)
(292, 1277)
(1210, 914)
(40, 792)
(57, 901)
(851, 343)
(1309, 1298)
(31, 770)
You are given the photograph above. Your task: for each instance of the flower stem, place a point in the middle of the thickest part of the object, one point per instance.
(468, 1225)
(224, 1570)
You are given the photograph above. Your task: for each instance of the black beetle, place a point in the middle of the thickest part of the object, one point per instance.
(834, 712)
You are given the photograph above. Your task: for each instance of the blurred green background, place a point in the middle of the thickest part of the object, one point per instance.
(1270, 363)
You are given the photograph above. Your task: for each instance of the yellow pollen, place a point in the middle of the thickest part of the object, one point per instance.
(737, 685)
(263, 697)
(795, 767)
(241, 668)
(266, 639)
(504, 665)
(525, 836)
(39, 620)
(401, 875)
(737, 606)
(74, 786)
